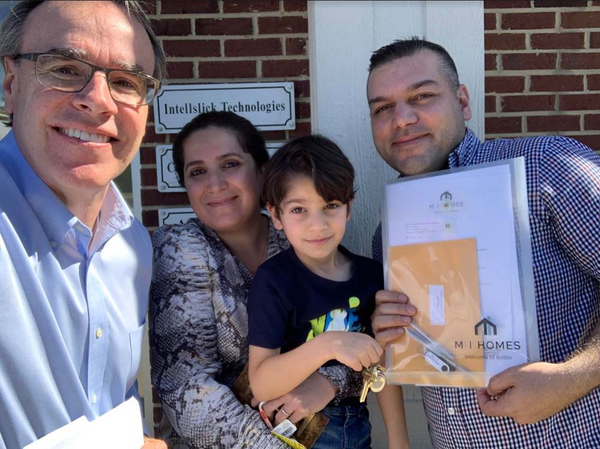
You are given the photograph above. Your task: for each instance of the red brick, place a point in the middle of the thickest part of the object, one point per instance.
(229, 69)
(596, 3)
(157, 415)
(583, 102)
(580, 20)
(302, 110)
(273, 135)
(148, 177)
(490, 62)
(594, 40)
(504, 41)
(591, 121)
(575, 61)
(520, 103)
(171, 27)
(230, 6)
(489, 21)
(560, 3)
(155, 198)
(150, 218)
(295, 5)
(556, 83)
(553, 123)
(593, 82)
(224, 27)
(295, 46)
(302, 89)
(281, 25)
(151, 136)
(549, 41)
(191, 49)
(148, 155)
(490, 103)
(504, 84)
(179, 70)
(591, 141)
(285, 68)
(302, 129)
(529, 61)
(498, 4)
(253, 47)
(528, 21)
(502, 125)
(189, 7)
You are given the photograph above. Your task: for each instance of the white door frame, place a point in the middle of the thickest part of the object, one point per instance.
(342, 36)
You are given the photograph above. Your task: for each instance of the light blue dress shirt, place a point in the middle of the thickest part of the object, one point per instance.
(72, 305)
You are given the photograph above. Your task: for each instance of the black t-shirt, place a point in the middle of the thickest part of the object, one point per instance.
(289, 304)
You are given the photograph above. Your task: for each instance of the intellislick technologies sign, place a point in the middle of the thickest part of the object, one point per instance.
(269, 106)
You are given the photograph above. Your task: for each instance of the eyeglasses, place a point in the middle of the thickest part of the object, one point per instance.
(68, 74)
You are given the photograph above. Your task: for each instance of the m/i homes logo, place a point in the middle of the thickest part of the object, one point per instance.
(486, 327)
(446, 203)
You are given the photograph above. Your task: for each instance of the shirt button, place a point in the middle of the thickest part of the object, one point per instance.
(98, 332)
(53, 243)
(451, 411)
(94, 399)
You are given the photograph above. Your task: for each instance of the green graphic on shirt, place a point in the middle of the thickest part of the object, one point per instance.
(337, 320)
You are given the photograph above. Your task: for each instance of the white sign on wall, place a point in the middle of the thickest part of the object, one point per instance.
(269, 106)
(165, 168)
(175, 215)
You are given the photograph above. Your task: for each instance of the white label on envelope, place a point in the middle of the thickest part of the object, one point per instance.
(436, 305)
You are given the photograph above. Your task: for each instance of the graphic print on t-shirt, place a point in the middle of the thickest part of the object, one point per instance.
(338, 320)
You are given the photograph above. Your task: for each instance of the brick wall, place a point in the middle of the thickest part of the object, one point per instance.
(542, 68)
(209, 41)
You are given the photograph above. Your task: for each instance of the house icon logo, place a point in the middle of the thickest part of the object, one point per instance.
(446, 196)
(486, 327)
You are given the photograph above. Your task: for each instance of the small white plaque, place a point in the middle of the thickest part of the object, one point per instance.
(269, 106)
(166, 177)
(175, 215)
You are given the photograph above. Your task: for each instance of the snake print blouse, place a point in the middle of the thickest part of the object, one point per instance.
(198, 331)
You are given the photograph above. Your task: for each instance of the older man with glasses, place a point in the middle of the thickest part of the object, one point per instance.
(75, 265)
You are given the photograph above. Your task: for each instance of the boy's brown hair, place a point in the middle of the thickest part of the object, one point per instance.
(316, 157)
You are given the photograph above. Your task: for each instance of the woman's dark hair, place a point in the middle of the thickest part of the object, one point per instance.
(246, 134)
(316, 157)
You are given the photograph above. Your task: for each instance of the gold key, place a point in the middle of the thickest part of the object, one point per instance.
(367, 375)
(378, 379)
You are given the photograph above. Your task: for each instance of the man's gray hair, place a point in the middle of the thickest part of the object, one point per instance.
(11, 30)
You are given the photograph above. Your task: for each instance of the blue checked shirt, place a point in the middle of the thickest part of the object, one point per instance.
(563, 184)
(72, 305)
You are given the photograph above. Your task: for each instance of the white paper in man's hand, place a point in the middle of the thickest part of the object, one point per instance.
(120, 428)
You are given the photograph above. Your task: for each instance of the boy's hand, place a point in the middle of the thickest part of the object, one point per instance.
(151, 443)
(354, 349)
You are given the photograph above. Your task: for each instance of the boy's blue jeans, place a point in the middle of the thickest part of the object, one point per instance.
(348, 428)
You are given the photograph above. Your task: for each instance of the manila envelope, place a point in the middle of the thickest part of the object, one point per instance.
(441, 280)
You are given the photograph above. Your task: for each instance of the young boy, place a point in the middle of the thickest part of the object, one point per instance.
(311, 304)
